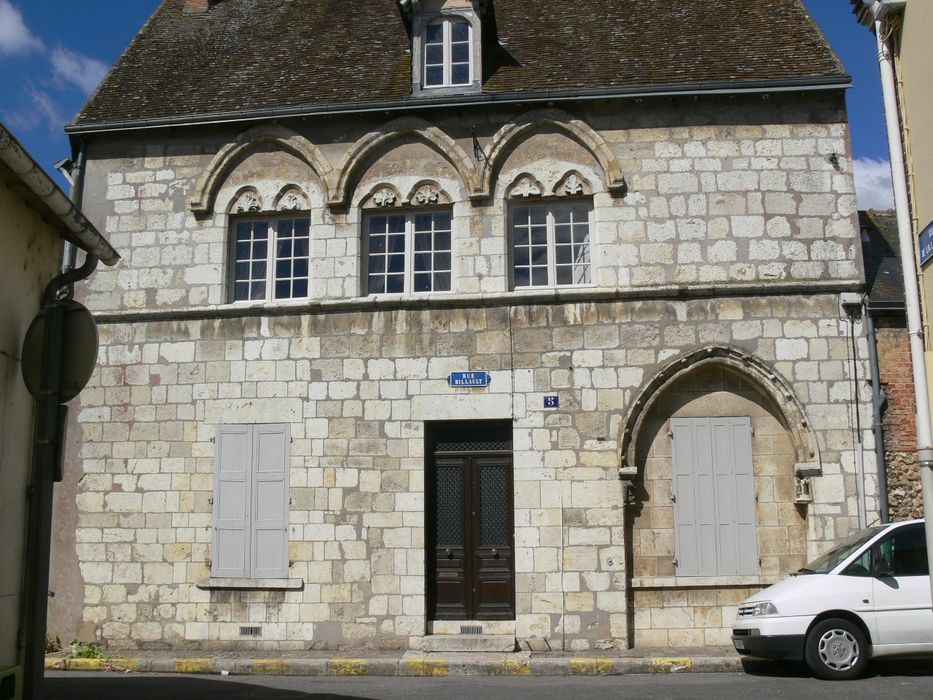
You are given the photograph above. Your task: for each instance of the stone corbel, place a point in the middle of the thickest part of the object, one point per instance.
(627, 476)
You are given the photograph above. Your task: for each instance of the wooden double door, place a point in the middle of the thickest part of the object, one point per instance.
(470, 549)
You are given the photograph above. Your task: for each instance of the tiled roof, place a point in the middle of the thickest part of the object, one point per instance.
(272, 54)
(884, 274)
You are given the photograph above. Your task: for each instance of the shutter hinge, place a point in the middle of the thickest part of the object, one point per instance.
(670, 434)
(290, 563)
(759, 561)
(676, 563)
(209, 563)
(673, 495)
(212, 439)
(210, 501)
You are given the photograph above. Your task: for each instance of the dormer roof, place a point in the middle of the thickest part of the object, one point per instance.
(245, 57)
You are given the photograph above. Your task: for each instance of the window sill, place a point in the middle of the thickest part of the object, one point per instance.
(251, 584)
(704, 581)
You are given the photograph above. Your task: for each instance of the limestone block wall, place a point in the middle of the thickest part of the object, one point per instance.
(356, 389)
(697, 194)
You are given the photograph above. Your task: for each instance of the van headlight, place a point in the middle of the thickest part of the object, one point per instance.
(763, 609)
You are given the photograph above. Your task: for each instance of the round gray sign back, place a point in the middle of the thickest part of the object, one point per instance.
(79, 351)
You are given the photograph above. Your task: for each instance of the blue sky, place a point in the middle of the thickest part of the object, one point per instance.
(54, 52)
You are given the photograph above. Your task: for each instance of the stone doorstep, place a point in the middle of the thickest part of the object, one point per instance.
(489, 643)
(412, 664)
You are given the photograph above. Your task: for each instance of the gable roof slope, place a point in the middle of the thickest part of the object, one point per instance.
(257, 56)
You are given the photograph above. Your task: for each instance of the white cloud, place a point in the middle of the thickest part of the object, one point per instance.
(873, 183)
(78, 69)
(15, 37)
(42, 108)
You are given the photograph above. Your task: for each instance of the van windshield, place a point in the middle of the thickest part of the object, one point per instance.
(832, 558)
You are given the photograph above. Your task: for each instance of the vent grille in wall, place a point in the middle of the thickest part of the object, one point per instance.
(251, 631)
(471, 629)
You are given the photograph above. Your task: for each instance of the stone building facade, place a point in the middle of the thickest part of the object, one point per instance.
(466, 432)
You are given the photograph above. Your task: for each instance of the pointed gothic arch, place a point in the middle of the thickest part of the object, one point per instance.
(227, 157)
(771, 384)
(372, 142)
(579, 131)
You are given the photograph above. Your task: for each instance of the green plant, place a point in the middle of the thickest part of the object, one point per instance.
(84, 650)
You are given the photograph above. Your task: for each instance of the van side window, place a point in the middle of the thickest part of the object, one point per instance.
(860, 567)
(906, 552)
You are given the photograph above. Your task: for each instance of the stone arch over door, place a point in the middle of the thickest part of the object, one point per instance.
(670, 607)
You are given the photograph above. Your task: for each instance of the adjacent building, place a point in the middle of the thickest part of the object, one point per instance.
(901, 28)
(36, 218)
(527, 319)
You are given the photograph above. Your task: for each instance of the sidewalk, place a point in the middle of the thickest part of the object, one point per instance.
(413, 663)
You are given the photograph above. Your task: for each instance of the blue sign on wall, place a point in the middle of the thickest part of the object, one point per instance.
(551, 401)
(926, 243)
(469, 379)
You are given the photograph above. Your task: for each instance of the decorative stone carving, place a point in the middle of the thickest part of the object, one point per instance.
(247, 202)
(427, 194)
(293, 199)
(526, 186)
(573, 184)
(385, 197)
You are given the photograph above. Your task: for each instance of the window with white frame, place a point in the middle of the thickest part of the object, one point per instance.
(551, 244)
(447, 53)
(271, 259)
(408, 252)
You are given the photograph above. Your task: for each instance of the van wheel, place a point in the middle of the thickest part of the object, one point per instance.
(836, 650)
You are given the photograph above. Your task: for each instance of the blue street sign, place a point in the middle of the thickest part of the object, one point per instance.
(551, 401)
(926, 243)
(469, 379)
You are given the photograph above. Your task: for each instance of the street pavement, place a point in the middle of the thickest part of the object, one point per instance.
(904, 679)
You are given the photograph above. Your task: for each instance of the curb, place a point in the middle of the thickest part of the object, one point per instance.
(410, 667)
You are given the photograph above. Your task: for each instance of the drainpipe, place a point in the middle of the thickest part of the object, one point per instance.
(878, 401)
(76, 179)
(911, 285)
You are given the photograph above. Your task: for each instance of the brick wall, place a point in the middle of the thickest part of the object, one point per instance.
(899, 419)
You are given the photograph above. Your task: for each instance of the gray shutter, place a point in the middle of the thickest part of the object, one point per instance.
(744, 507)
(694, 501)
(714, 488)
(232, 456)
(270, 501)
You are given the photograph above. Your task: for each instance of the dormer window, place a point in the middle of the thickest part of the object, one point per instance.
(446, 47)
(447, 53)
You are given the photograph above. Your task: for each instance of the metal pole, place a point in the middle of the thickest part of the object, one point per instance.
(911, 285)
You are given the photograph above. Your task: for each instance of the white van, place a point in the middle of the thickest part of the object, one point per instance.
(869, 596)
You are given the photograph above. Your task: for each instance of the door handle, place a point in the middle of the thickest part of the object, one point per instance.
(450, 553)
(495, 553)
